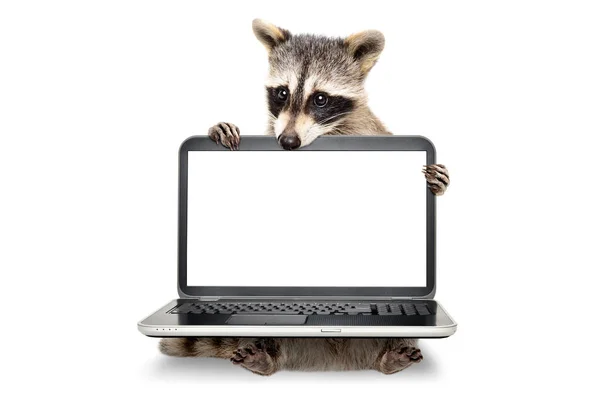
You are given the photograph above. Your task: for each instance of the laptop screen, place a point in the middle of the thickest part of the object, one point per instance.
(306, 218)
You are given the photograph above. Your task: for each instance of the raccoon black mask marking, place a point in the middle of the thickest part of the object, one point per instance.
(321, 106)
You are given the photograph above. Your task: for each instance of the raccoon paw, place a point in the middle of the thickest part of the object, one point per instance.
(437, 177)
(254, 357)
(225, 133)
(396, 360)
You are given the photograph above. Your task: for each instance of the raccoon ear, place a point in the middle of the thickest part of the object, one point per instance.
(269, 34)
(365, 47)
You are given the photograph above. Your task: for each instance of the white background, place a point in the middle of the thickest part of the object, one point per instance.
(95, 98)
(306, 218)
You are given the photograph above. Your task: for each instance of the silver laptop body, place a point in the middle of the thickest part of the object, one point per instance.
(267, 274)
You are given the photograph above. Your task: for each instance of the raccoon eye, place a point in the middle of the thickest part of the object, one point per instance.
(282, 94)
(320, 100)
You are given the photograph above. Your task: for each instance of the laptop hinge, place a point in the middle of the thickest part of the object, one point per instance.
(209, 298)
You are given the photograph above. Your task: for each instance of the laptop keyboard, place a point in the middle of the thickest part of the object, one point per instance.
(308, 308)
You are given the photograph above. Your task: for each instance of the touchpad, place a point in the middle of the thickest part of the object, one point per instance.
(266, 319)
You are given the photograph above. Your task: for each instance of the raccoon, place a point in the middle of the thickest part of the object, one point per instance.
(315, 87)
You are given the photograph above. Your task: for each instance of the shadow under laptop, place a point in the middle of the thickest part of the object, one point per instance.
(205, 369)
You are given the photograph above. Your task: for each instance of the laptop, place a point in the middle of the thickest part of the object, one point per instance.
(336, 239)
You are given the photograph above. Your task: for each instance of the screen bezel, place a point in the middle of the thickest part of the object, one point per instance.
(324, 143)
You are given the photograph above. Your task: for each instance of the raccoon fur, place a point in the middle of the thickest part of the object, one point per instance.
(265, 356)
(315, 87)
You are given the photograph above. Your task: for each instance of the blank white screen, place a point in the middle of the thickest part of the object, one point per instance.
(306, 218)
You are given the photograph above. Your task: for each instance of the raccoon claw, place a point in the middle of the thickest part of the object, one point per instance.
(254, 357)
(396, 360)
(437, 178)
(227, 134)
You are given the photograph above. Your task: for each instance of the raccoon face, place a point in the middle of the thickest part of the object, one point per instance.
(299, 118)
(314, 82)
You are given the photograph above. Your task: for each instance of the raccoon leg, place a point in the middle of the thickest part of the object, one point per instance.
(258, 355)
(399, 355)
(199, 347)
(437, 177)
(226, 133)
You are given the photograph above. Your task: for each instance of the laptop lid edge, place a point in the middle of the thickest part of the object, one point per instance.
(325, 143)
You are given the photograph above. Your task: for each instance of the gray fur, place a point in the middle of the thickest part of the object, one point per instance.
(265, 356)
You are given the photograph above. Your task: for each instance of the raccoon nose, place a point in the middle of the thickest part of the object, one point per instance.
(289, 141)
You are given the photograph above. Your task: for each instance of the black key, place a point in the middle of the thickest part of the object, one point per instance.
(422, 309)
(184, 308)
(180, 311)
(358, 311)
